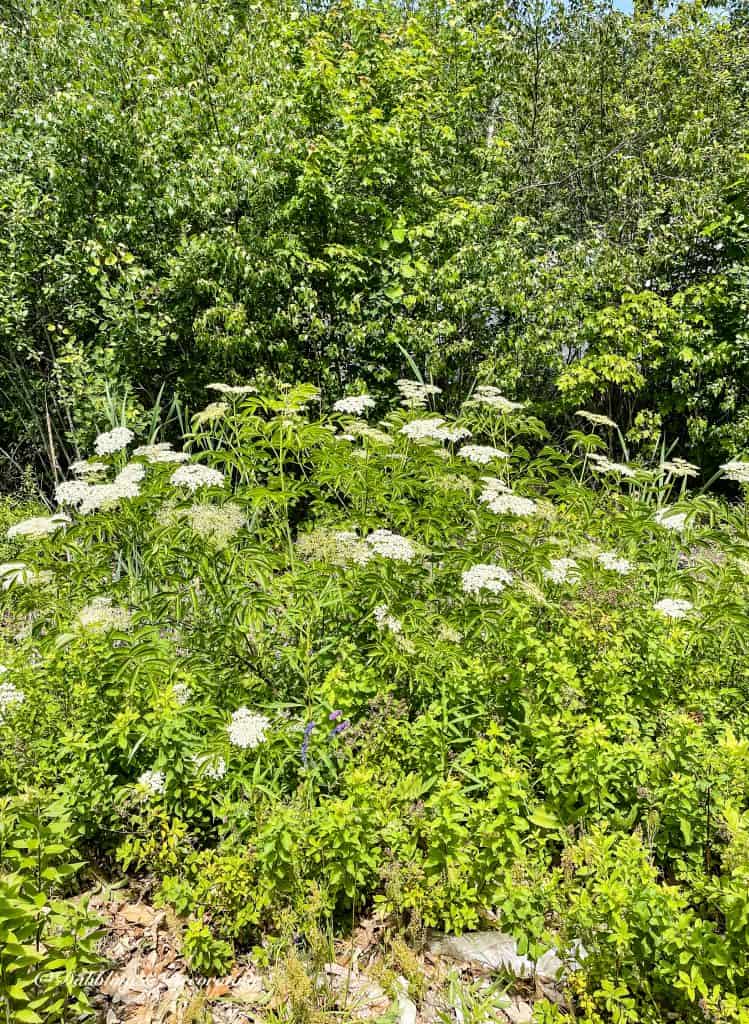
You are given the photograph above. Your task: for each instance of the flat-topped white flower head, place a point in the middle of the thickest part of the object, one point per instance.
(561, 570)
(610, 560)
(247, 729)
(391, 545)
(603, 465)
(232, 389)
(161, 452)
(671, 520)
(101, 615)
(37, 526)
(194, 476)
(595, 417)
(152, 781)
(10, 697)
(355, 405)
(414, 393)
(113, 441)
(85, 468)
(674, 607)
(386, 621)
(680, 468)
(423, 429)
(486, 577)
(736, 470)
(511, 505)
(481, 453)
(493, 398)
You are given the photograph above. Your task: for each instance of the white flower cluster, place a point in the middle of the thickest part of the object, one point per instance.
(194, 476)
(561, 570)
(152, 781)
(37, 526)
(611, 561)
(601, 464)
(737, 471)
(414, 394)
(359, 428)
(355, 405)
(391, 545)
(680, 468)
(671, 520)
(182, 693)
(89, 497)
(486, 577)
(161, 452)
(101, 615)
(10, 696)
(212, 412)
(113, 441)
(596, 417)
(492, 397)
(215, 523)
(674, 607)
(481, 453)
(85, 468)
(421, 430)
(232, 389)
(433, 428)
(511, 505)
(385, 620)
(247, 729)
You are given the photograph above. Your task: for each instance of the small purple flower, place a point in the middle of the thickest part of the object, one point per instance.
(334, 716)
(305, 742)
(341, 727)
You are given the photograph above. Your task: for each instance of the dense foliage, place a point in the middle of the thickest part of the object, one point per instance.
(550, 196)
(436, 667)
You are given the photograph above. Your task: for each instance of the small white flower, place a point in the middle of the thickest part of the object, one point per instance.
(194, 476)
(670, 520)
(611, 561)
(561, 570)
(232, 389)
(673, 607)
(391, 545)
(414, 394)
(422, 430)
(182, 693)
(486, 577)
(603, 465)
(113, 441)
(247, 729)
(152, 781)
(511, 505)
(481, 453)
(85, 468)
(385, 620)
(355, 405)
(10, 696)
(492, 397)
(38, 526)
(71, 492)
(737, 471)
(596, 417)
(680, 468)
(101, 615)
(161, 452)
(452, 434)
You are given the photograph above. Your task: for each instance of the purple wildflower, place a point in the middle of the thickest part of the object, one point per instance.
(341, 727)
(305, 742)
(334, 716)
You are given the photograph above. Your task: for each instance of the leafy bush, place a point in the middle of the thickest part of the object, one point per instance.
(437, 667)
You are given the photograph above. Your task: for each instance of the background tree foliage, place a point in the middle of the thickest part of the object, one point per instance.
(552, 198)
